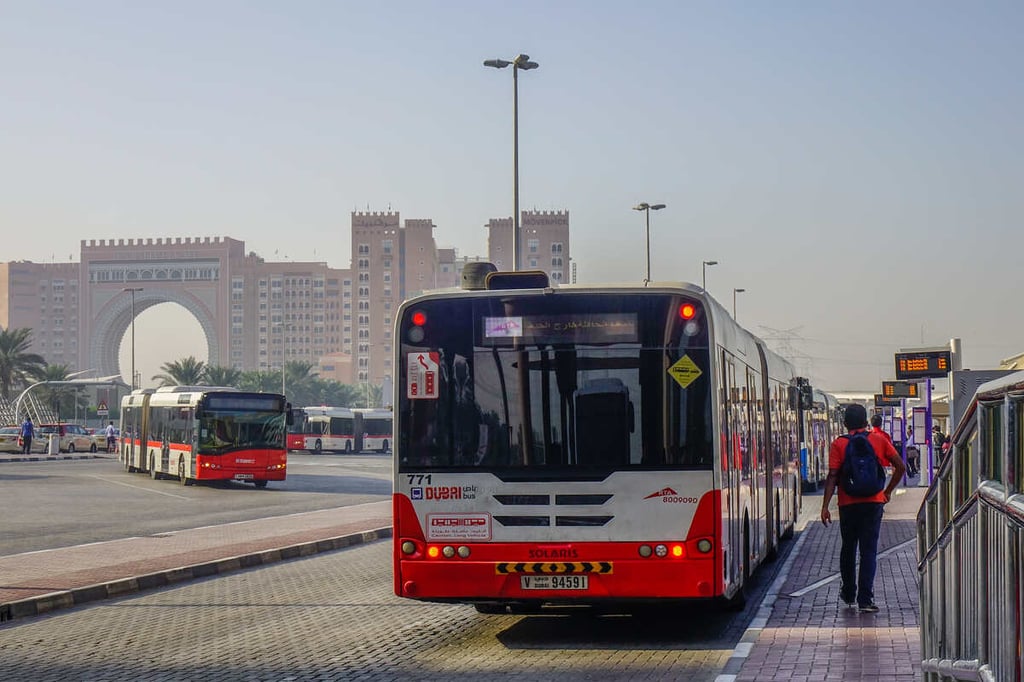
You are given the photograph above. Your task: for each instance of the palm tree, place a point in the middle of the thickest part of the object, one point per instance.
(185, 372)
(17, 365)
(217, 375)
(256, 380)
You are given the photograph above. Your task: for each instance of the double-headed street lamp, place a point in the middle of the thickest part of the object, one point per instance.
(704, 273)
(520, 62)
(734, 292)
(132, 290)
(647, 208)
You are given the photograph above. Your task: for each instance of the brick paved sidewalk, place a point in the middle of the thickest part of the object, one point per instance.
(805, 633)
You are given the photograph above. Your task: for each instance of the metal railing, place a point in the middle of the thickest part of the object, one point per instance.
(971, 545)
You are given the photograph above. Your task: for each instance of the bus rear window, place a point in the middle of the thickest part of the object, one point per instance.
(565, 381)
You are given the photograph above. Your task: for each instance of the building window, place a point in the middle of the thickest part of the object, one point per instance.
(556, 247)
(533, 245)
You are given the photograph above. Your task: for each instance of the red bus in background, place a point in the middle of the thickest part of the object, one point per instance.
(195, 433)
(297, 430)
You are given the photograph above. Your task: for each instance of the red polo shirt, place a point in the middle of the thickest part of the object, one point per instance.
(884, 450)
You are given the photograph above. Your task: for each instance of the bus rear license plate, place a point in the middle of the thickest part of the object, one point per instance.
(243, 477)
(554, 582)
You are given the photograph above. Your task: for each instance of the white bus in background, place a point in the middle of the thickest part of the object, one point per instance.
(374, 428)
(331, 429)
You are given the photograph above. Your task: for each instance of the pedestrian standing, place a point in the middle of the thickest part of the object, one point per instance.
(27, 432)
(860, 511)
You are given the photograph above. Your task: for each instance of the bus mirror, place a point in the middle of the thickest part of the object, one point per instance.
(289, 418)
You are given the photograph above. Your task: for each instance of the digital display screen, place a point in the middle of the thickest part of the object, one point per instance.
(250, 403)
(882, 401)
(569, 328)
(923, 365)
(899, 389)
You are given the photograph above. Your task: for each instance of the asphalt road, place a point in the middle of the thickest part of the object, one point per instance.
(71, 502)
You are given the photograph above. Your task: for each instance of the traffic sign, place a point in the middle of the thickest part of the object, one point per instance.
(101, 410)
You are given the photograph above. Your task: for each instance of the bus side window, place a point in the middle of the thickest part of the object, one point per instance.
(604, 420)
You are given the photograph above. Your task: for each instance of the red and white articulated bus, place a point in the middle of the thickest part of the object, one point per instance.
(203, 433)
(331, 429)
(606, 446)
(340, 429)
(375, 428)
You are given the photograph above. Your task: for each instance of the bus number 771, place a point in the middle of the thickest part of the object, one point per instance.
(419, 479)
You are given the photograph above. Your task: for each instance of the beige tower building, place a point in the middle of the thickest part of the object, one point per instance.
(543, 243)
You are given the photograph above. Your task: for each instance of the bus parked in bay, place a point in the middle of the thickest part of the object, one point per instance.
(598, 445)
(203, 433)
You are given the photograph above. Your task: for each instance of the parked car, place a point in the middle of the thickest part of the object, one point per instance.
(10, 437)
(73, 438)
(99, 437)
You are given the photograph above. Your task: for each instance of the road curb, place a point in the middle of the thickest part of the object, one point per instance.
(46, 603)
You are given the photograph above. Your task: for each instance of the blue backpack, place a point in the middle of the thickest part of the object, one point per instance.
(861, 475)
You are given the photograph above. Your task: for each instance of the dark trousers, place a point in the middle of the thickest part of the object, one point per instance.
(859, 526)
(26, 446)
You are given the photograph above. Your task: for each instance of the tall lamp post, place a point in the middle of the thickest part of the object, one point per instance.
(520, 62)
(734, 292)
(132, 291)
(704, 273)
(285, 328)
(647, 208)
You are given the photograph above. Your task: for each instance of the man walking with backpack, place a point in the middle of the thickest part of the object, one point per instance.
(855, 466)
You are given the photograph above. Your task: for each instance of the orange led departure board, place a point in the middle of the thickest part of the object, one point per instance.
(923, 365)
(899, 389)
(883, 401)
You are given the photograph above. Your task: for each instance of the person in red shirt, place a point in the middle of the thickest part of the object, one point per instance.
(876, 425)
(860, 518)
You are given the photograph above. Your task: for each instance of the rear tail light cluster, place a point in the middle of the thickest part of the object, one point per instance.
(413, 549)
(676, 550)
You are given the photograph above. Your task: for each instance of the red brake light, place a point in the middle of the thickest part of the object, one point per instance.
(419, 318)
(687, 311)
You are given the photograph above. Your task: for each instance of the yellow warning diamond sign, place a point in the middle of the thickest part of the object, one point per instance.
(684, 371)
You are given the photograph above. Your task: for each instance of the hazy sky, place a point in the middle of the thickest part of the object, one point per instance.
(856, 167)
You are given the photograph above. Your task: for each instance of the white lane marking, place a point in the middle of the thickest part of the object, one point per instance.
(129, 485)
(836, 576)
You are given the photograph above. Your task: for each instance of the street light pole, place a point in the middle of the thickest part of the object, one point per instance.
(647, 208)
(704, 273)
(734, 292)
(520, 62)
(132, 290)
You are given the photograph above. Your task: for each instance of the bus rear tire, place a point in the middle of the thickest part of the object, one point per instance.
(318, 447)
(153, 473)
(260, 484)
